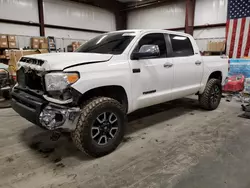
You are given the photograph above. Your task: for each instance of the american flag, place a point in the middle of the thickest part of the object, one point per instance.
(238, 28)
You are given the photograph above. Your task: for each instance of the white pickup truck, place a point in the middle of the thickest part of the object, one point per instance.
(90, 92)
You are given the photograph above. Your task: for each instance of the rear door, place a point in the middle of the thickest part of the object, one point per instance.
(151, 77)
(188, 67)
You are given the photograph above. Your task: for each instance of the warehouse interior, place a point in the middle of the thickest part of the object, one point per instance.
(54, 18)
(175, 144)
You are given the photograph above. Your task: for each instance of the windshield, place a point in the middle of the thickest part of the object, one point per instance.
(112, 43)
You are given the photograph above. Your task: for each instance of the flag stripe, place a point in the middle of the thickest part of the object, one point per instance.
(248, 42)
(237, 38)
(233, 38)
(242, 28)
(229, 36)
(227, 28)
(244, 43)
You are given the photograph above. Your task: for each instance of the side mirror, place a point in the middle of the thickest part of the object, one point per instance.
(147, 51)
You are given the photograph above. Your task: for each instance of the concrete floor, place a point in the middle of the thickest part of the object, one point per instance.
(173, 145)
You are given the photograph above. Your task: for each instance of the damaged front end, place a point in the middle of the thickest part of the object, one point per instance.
(46, 98)
(36, 109)
(54, 117)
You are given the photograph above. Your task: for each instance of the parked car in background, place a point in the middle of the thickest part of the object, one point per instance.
(91, 92)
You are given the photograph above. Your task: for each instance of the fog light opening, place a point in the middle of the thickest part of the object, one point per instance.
(58, 117)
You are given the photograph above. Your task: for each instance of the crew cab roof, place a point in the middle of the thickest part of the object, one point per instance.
(137, 31)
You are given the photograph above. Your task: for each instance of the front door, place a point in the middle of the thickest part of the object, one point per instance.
(152, 77)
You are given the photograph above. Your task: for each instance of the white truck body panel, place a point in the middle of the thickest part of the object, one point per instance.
(60, 61)
(184, 78)
(212, 64)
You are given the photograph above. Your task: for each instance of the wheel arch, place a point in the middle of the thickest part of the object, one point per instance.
(112, 91)
(215, 74)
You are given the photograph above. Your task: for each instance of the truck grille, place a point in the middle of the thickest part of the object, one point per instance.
(32, 61)
(29, 79)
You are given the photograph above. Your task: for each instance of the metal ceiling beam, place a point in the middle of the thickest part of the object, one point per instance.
(18, 22)
(121, 20)
(189, 20)
(41, 17)
(73, 28)
(143, 4)
(207, 26)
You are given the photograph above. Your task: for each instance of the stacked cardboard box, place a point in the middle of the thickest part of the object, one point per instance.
(216, 46)
(43, 43)
(4, 54)
(3, 41)
(38, 42)
(8, 41)
(75, 45)
(12, 41)
(35, 43)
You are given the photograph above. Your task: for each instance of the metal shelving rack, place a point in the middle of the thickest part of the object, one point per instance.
(51, 44)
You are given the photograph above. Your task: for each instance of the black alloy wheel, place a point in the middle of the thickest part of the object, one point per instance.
(104, 128)
(215, 94)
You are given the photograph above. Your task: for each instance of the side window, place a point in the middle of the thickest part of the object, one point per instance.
(154, 39)
(181, 46)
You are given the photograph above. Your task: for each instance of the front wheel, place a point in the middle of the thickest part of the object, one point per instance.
(210, 98)
(101, 127)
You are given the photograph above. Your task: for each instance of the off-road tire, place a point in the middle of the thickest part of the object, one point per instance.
(205, 98)
(82, 134)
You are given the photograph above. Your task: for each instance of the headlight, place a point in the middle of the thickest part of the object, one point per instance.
(59, 81)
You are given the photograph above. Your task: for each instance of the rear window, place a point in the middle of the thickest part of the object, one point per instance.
(181, 45)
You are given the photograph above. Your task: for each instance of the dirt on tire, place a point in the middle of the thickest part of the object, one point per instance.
(205, 97)
(82, 134)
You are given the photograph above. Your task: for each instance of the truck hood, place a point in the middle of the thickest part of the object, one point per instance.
(60, 61)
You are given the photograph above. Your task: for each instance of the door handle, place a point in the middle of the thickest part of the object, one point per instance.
(198, 62)
(167, 65)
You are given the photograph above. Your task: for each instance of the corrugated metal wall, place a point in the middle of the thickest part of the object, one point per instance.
(71, 14)
(170, 15)
(210, 12)
(203, 36)
(78, 15)
(23, 10)
(62, 13)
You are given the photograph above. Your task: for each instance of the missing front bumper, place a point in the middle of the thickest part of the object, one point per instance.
(42, 113)
(55, 117)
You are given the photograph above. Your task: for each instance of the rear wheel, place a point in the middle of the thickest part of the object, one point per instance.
(210, 98)
(101, 127)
